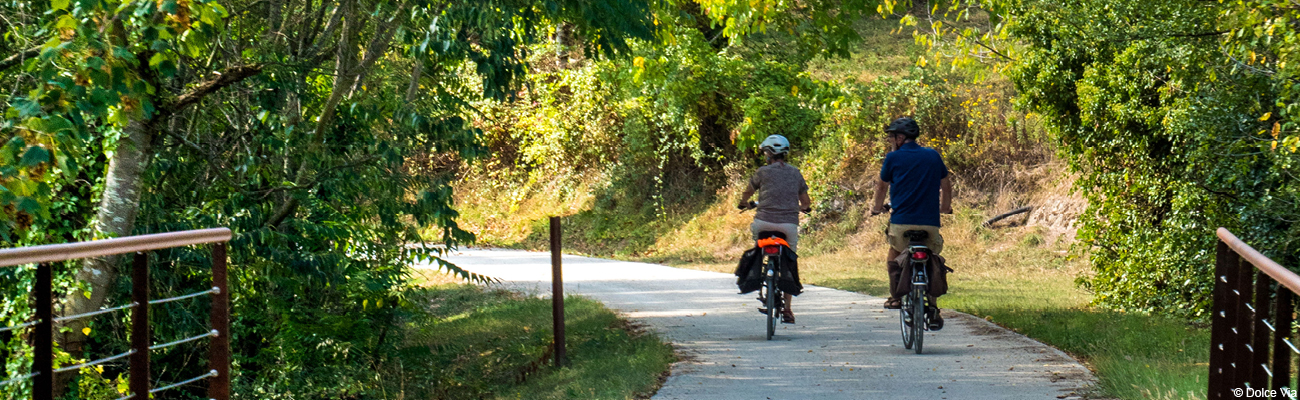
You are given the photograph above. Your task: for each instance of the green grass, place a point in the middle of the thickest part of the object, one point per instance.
(495, 344)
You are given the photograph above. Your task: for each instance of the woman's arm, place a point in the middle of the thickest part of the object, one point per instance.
(744, 197)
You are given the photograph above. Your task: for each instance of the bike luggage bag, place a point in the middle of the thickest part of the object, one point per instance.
(749, 273)
(938, 272)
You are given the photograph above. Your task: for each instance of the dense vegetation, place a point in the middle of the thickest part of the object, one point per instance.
(1177, 118)
(318, 131)
(1180, 117)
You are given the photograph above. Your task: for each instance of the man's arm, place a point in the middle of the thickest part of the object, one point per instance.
(805, 202)
(878, 201)
(945, 195)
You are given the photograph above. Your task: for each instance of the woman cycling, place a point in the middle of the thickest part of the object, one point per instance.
(782, 193)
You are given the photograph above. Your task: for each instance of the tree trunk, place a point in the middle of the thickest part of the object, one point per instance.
(116, 217)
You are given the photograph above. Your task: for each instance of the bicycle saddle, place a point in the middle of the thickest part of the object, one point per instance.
(769, 234)
(917, 235)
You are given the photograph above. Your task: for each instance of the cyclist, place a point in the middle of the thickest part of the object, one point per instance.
(782, 193)
(919, 188)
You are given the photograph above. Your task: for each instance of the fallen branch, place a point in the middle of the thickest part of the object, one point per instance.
(1020, 210)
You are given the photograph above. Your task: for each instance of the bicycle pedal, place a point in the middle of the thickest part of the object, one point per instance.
(762, 311)
(935, 325)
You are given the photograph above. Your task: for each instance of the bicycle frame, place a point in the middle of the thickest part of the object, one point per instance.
(914, 315)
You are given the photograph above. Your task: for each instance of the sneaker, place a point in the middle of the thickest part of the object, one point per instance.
(893, 303)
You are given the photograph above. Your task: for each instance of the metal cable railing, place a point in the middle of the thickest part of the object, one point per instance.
(43, 371)
(1252, 323)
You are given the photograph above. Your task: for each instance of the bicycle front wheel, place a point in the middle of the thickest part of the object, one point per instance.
(917, 300)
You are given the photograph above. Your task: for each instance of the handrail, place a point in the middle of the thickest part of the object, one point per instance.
(106, 247)
(42, 329)
(1268, 266)
(1251, 323)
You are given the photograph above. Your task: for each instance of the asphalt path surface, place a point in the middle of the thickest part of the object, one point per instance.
(844, 346)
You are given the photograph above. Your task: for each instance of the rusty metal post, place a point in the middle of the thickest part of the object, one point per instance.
(1259, 370)
(557, 293)
(219, 352)
(140, 330)
(1281, 351)
(43, 334)
(1245, 321)
(1220, 320)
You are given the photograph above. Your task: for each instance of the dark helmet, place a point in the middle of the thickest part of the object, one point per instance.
(905, 126)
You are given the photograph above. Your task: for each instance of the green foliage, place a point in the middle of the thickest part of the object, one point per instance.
(1177, 114)
(322, 133)
(632, 152)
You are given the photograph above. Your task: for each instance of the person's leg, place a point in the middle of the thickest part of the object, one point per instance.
(893, 237)
(791, 232)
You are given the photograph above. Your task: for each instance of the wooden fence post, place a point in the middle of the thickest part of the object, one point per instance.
(1243, 355)
(1282, 352)
(557, 293)
(1220, 319)
(1259, 346)
(219, 352)
(43, 335)
(140, 335)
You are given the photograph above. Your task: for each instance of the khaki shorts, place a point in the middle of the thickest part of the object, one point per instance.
(899, 243)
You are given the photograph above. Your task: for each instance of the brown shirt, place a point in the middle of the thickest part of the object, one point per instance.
(779, 186)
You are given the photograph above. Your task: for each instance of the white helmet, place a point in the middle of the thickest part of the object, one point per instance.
(776, 144)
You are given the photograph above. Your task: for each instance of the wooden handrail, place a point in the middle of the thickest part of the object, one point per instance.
(43, 371)
(1270, 267)
(1251, 324)
(99, 248)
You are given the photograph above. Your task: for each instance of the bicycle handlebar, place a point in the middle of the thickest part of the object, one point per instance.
(885, 209)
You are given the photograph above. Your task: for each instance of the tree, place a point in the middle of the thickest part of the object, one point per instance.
(318, 130)
(1178, 116)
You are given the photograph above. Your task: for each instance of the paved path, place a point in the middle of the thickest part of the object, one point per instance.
(845, 345)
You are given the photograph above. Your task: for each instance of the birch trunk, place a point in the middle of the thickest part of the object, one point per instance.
(115, 218)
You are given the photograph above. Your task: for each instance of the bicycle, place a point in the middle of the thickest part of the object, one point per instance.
(773, 244)
(917, 302)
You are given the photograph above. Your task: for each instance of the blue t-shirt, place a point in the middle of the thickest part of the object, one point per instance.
(913, 173)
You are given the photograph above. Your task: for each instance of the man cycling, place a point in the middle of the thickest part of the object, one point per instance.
(919, 188)
(782, 193)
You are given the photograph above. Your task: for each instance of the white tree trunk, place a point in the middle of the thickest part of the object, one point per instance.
(115, 218)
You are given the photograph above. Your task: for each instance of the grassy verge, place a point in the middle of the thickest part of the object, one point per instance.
(494, 344)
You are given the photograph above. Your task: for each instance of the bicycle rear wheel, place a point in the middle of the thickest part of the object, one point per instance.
(772, 311)
(905, 322)
(917, 300)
